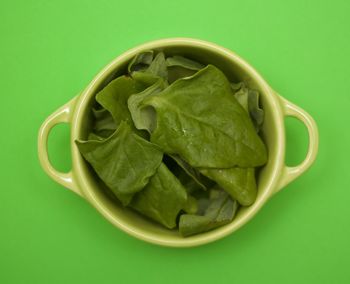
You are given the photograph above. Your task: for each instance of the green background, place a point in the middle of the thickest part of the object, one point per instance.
(50, 50)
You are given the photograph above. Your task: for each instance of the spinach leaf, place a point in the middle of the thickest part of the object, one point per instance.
(190, 184)
(177, 171)
(104, 124)
(191, 206)
(256, 113)
(114, 97)
(184, 62)
(249, 99)
(177, 72)
(124, 161)
(236, 86)
(199, 119)
(162, 198)
(144, 118)
(189, 177)
(103, 134)
(141, 61)
(180, 67)
(156, 69)
(220, 211)
(238, 182)
(242, 97)
(191, 172)
(144, 78)
(94, 136)
(158, 66)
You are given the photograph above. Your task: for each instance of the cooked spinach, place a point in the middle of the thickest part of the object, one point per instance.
(176, 141)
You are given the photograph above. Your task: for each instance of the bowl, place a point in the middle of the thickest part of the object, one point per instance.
(272, 177)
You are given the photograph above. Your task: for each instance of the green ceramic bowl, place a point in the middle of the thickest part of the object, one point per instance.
(274, 175)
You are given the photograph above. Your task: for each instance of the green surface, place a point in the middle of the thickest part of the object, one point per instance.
(50, 50)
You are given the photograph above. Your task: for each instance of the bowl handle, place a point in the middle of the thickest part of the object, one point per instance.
(62, 115)
(291, 173)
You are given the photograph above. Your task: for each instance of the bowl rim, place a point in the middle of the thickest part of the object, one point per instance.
(203, 238)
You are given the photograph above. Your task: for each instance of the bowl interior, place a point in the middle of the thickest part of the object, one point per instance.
(236, 70)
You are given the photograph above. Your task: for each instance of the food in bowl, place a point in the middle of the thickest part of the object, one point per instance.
(176, 141)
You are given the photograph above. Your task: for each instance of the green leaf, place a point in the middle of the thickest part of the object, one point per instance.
(162, 199)
(140, 61)
(256, 113)
(144, 118)
(191, 206)
(236, 86)
(124, 161)
(180, 67)
(249, 99)
(115, 95)
(189, 177)
(146, 79)
(104, 123)
(190, 171)
(184, 62)
(199, 119)
(150, 72)
(158, 66)
(187, 181)
(94, 136)
(220, 211)
(104, 133)
(202, 205)
(191, 224)
(238, 182)
(176, 72)
(242, 97)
